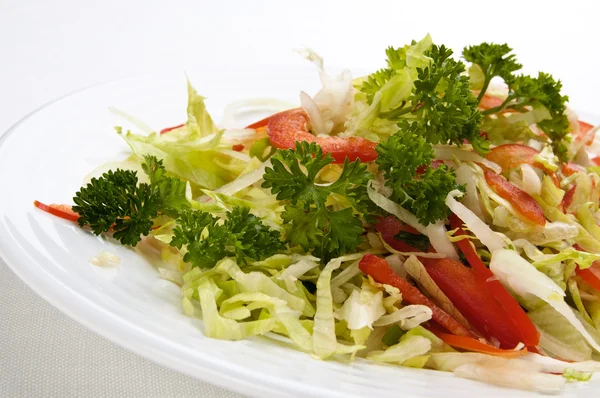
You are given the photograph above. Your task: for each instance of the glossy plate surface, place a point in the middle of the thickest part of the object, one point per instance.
(46, 157)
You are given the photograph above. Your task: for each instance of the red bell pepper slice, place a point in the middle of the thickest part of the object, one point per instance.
(471, 344)
(583, 130)
(288, 127)
(529, 333)
(167, 129)
(521, 200)
(389, 227)
(468, 293)
(381, 272)
(568, 169)
(591, 275)
(568, 199)
(62, 211)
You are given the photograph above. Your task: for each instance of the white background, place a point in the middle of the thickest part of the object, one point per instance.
(48, 49)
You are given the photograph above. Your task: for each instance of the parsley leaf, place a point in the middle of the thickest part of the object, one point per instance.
(208, 239)
(443, 104)
(424, 194)
(525, 91)
(309, 220)
(115, 201)
(544, 90)
(494, 60)
(427, 193)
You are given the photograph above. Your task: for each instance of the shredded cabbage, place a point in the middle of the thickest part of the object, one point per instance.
(481, 230)
(408, 347)
(525, 280)
(362, 308)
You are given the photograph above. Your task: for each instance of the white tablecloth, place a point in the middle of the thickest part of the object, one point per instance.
(51, 48)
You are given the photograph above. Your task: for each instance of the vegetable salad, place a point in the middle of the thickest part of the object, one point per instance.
(438, 213)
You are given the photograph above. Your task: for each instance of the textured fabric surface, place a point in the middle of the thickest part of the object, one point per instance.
(44, 353)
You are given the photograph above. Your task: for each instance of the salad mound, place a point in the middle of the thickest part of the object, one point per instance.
(429, 215)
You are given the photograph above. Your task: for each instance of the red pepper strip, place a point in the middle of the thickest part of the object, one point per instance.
(509, 156)
(568, 199)
(591, 275)
(471, 344)
(288, 127)
(529, 333)
(62, 211)
(238, 147)
(568, 169)
(554, 179)
(521, 200)
(381, 272)
(166, 130)
(467, 291)
(583, 130)
(389, 227)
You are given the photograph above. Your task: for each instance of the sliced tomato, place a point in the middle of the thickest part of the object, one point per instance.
(288, 127)
(489, 101)
(380, 271)
(471, 344)
(568, 199)
(521, 200)
(529, 333)
(469, 294)
(389, 227)
(166, 130)
(510, 156)
(62, 211)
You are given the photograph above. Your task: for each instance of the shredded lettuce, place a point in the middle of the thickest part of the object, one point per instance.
(363, 307)
(324, 338)
(291, 274)
(482, 231)
(407, 317)
(526, 281)
(557, 337)
(199, 122)
(408, 347)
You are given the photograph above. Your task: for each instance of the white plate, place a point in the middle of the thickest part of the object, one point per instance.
(46, 156)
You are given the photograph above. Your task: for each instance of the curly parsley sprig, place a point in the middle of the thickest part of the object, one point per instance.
(405, 159)
(525, 92)
(117, 202)
(310, 222)
(208, 239)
